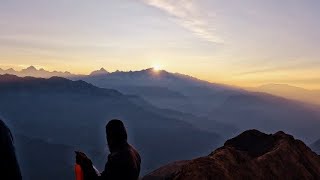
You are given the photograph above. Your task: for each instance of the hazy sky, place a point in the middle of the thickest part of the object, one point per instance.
(240, 42)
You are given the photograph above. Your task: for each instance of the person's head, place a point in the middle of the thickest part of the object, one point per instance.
(116, 133)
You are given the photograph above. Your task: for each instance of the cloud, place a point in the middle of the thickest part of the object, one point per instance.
(263, 70)
(187, 14)
(293, 65)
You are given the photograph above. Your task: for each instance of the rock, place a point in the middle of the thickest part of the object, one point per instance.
(251, 155)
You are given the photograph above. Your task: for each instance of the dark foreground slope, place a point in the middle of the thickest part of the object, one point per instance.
(251, 155)
(58, 111)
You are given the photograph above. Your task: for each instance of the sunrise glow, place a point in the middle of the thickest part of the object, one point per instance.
(236, 43)
(156, 67)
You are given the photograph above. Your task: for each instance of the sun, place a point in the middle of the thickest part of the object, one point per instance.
(156, 67)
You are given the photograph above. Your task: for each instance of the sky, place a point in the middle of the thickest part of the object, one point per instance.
(242, 43)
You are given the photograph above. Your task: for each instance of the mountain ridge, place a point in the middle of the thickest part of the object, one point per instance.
(241, 108)
(42, 84)
(250, 155)
(34, 72)
(99, 72)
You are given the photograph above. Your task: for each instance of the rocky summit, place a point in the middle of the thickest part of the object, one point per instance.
(250, 155)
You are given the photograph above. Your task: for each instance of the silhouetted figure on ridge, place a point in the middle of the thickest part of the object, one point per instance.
(9, 167)
(123, 161)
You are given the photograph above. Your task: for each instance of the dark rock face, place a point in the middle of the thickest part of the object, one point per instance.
(253, 142)
(251, 155)
(166, 172)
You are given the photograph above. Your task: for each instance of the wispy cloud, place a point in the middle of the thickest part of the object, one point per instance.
(188, 15)
(288, 66)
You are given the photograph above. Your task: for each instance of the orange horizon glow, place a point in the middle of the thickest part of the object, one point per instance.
(247, 82)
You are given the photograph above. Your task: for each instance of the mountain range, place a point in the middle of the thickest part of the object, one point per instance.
(230, 105)
(251, 155)
(212, 102)
(69, 113)
(99, 72)
(32, 71)
(283, 90)
(166, 90)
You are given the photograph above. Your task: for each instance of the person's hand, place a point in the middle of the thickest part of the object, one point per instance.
(80, 154)
(82, 158)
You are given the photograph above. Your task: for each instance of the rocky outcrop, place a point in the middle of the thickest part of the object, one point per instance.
(251, 155)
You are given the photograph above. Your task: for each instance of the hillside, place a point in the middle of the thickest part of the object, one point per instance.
(251, 155)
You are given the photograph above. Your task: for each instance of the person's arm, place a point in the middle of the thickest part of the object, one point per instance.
(86, 166)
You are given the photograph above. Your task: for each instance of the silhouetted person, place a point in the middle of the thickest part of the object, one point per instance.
(9, 167)
(123, 161)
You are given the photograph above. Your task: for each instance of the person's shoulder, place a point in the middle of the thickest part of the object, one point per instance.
(134, 153)
(132, 149)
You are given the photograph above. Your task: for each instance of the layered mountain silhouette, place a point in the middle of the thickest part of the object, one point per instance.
(186, 93)
(251, 155)
(14, 84)
(213, 102)
(155, 105)
(32, 71)
(216, 102)
(58, 111)
(99, 72)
